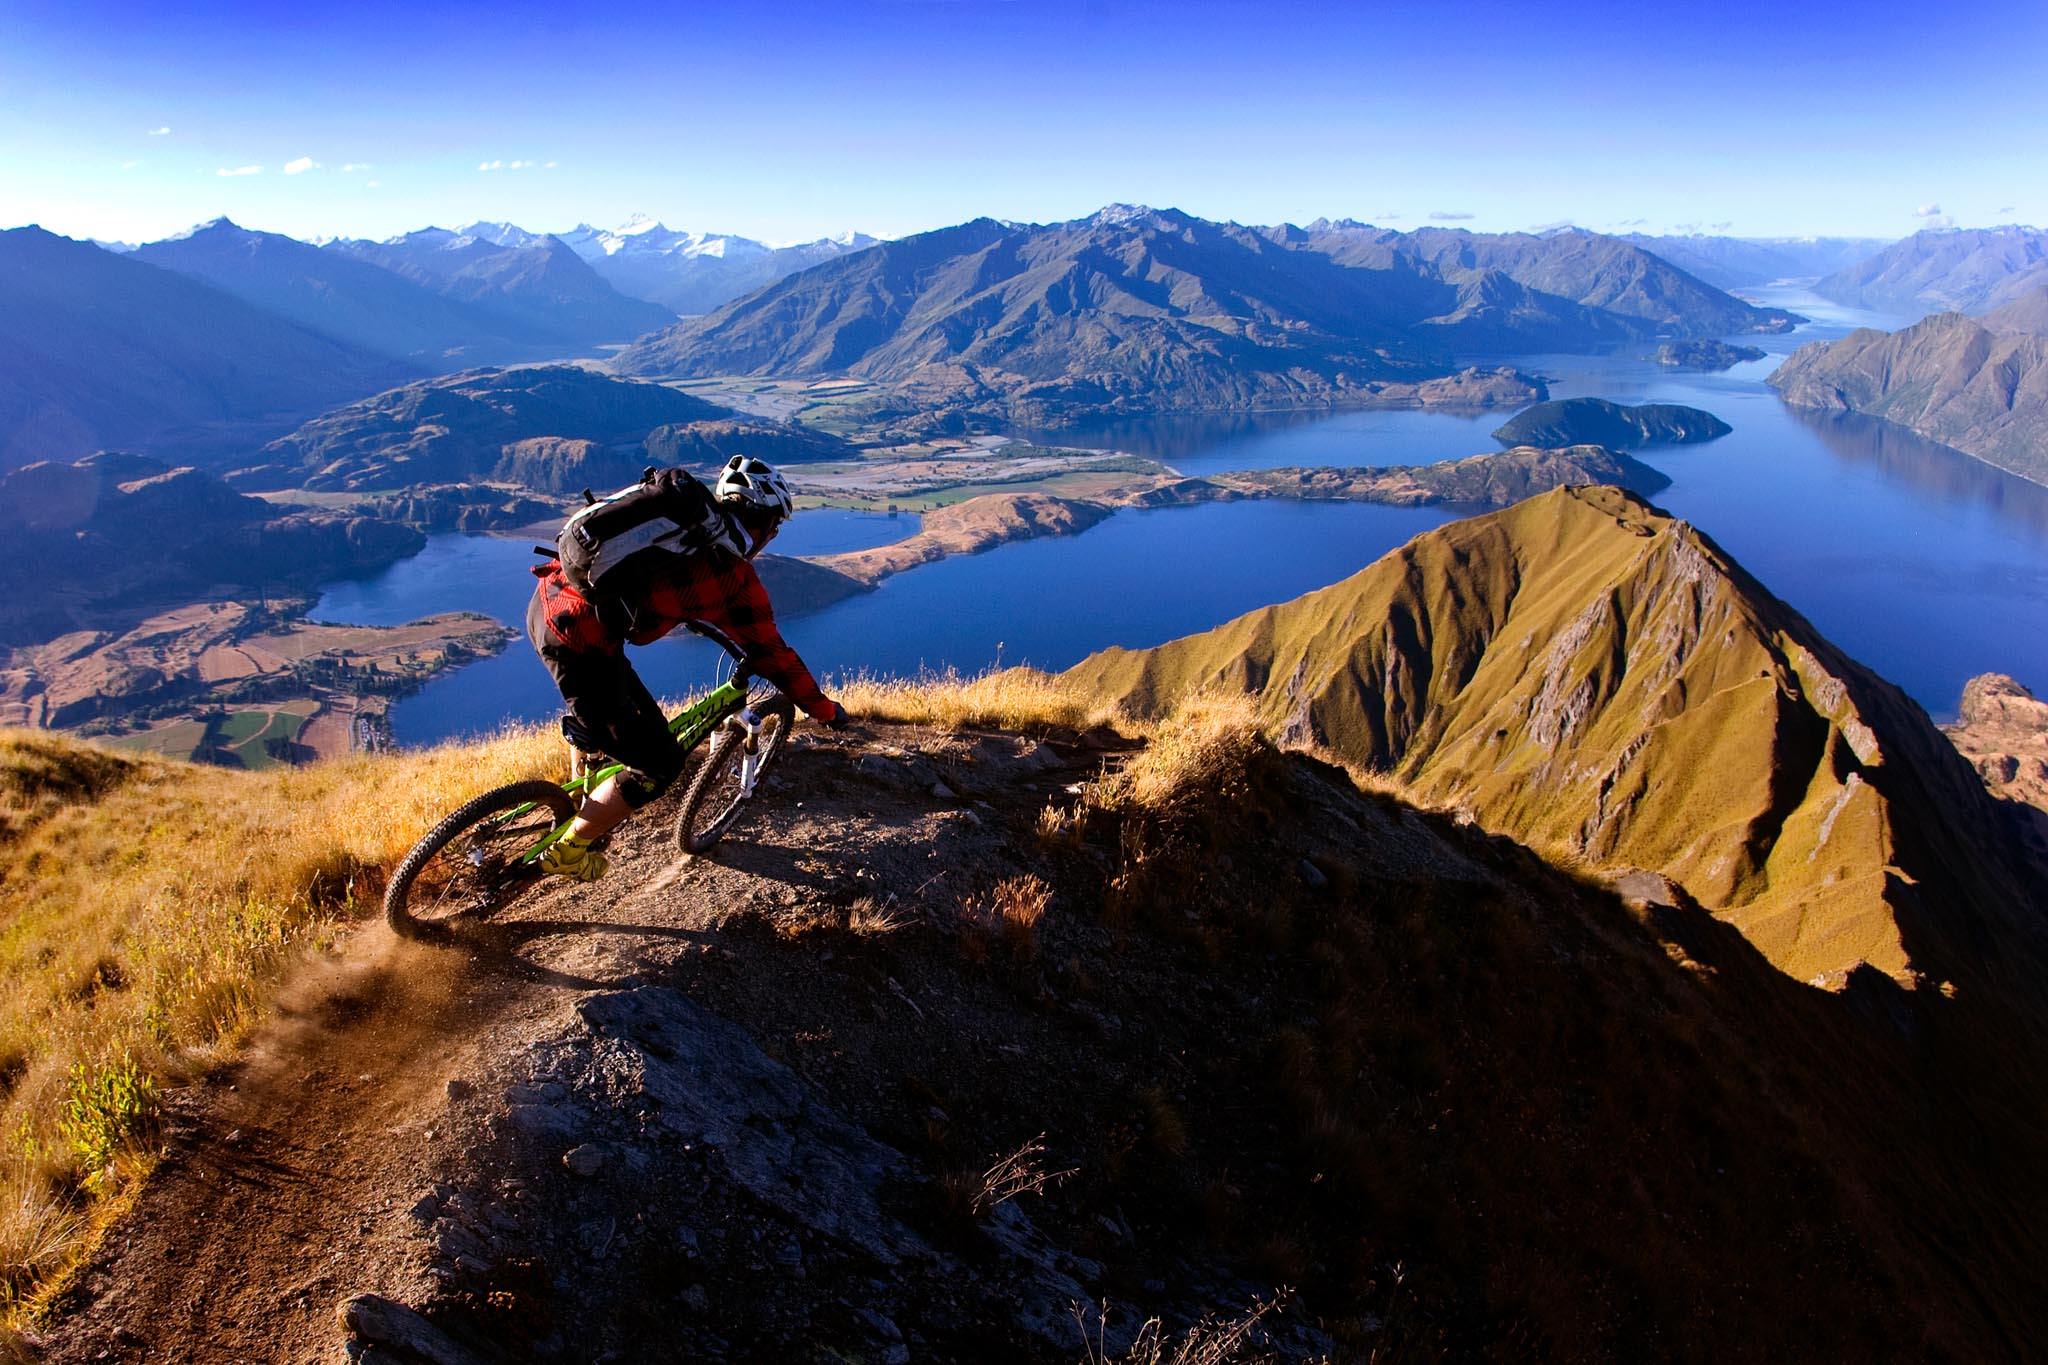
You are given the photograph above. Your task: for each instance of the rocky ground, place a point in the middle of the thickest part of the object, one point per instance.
(667, 1108)
(947, 1055)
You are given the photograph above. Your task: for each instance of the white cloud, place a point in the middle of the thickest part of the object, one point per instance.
(374, 184)
(130, 165)
(240, 170)
(160, 132)
(1445, 216)
(1928, 211)
(350, 166)
(508, 165)
(300, 166)
(490, 165)
(552, 164)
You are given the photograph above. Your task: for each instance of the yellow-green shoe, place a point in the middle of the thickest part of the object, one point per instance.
(575, 859)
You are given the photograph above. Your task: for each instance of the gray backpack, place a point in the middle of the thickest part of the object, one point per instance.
(614, 546)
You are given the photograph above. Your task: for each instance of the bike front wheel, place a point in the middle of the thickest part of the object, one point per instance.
(471, 860)
(728, 774)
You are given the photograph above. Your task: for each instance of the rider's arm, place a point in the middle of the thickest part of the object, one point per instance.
(730, 596)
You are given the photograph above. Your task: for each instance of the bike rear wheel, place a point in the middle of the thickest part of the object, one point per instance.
(725, 779)
(472, 859)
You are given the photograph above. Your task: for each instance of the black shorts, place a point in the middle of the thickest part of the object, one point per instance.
(608, 700)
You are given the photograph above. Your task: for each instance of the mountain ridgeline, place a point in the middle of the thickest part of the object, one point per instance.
(435, 299)
(1954, 270)
(99, 350)
(1142, 310)
(689, 272)
(1587, 674)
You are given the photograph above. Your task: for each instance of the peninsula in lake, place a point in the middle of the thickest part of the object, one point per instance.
(1950, 378)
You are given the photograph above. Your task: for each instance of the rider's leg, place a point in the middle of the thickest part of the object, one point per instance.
(601, 811)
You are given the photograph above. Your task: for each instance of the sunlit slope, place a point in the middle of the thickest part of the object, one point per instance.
(1583, 670)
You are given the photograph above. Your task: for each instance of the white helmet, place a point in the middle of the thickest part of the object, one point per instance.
(746, 482)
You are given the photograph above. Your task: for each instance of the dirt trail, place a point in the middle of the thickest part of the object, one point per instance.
(290, 1177)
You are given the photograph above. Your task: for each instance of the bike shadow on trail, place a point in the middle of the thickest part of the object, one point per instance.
(509, 947)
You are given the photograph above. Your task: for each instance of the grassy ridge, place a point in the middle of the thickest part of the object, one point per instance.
(145, 906)
(1589, 675)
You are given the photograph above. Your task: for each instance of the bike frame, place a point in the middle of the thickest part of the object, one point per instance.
(690, 726)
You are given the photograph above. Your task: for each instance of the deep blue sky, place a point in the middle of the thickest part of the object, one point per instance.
(791, 121)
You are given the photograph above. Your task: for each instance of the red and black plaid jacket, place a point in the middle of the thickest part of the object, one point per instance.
(718, 590)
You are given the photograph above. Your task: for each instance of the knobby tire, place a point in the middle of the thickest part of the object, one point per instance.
(714, 798)
(466, 863)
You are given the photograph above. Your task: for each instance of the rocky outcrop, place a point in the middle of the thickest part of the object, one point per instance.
(1595, 421)
(1948, 378)
(2002, 729)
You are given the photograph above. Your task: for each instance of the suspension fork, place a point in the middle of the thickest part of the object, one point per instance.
(749, 725)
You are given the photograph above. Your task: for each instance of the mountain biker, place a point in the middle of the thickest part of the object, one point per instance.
(717, 588)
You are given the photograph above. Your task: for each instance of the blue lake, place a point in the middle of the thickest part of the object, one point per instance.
(1928, 566)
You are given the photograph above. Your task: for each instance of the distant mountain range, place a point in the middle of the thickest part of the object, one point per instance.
(1135, 309)
(1743, 262)
(1955, 270)
(692, 272)
(532, 288)
(1952, 379)
(101, 350)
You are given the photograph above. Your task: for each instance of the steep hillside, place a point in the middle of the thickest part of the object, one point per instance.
(933, 1049)
(2025, 314)
(1137, 309)
(1955, 270)
(1622, 289)
(100, 350)
(476, 425)
(339, 296)
(1946, 377)
(536, 289)
(1584, 672)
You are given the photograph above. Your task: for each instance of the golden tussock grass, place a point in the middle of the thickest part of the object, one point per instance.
(1200, 753)
(1022, 699)
(146, 906)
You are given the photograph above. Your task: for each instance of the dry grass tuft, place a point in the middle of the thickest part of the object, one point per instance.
(146, 907)
(1007, 915)
(972, 1195)
(1021, 699)
(1212, 1341)
(1198, 755)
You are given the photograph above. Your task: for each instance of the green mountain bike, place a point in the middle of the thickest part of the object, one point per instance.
(477, 856)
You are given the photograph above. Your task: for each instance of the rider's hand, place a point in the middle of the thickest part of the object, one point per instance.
(840, 716)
